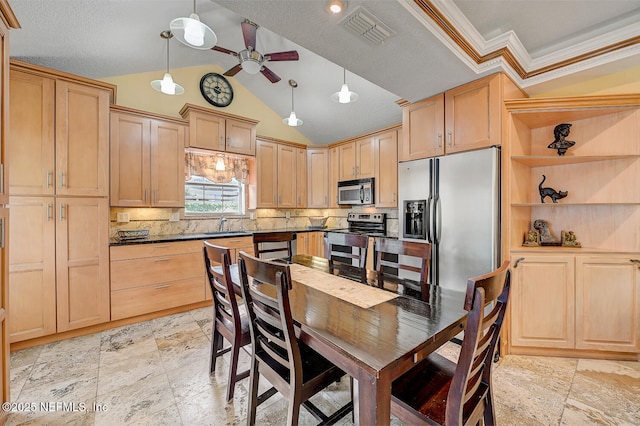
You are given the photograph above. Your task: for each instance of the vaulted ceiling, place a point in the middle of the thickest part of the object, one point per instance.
(433, 45)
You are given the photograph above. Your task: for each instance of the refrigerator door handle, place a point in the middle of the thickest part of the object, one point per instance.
(437, 221)
(430, 236)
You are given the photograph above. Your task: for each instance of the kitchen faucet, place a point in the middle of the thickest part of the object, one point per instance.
(222, 222)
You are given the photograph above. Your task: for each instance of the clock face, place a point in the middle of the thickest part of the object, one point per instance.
(216, 89)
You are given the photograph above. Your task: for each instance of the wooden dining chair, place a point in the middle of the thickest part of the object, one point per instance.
(438, 391)
(341, 261)
(393, 256)
(229, 322)
(293, 369)
(283, 249)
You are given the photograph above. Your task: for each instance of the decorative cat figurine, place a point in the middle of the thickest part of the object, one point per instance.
(550, 192)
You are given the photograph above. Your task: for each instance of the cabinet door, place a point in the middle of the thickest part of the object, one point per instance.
(347, 161)
(386, 184)
(286, 171)
(607, 304)
(241, 137)
(130, 160)
(334, 177)
(365, 158)
(32, 268)
(31, 135)
(167, 164)
(206, 131)
(472, 115)
(423, 128)
(317, 178)
(315, 245)
(4, 303)
(82, 140)
(301, 178)
(267, 179)
(542, 302)
(82, 262)
(302, 243)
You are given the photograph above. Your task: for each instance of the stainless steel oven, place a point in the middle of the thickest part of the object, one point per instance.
(356, 192)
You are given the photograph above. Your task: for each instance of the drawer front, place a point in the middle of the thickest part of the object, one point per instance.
(156, 270)
(153, 298)
(232, 242)
(136, 251)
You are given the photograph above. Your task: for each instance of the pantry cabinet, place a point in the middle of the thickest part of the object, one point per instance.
(464, 118)
(59, 265)
(147, 159)
(219, 131)
(281, 181)
(386, 168)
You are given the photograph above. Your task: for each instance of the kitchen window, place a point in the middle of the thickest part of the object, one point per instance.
(214, 183)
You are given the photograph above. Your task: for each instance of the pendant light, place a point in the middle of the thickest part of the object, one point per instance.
(193, 33)
(166, 85)
(344, 96)
(292, 120)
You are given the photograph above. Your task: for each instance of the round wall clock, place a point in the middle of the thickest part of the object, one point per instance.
(216, 89)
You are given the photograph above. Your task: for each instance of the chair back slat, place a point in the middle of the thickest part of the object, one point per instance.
(285, 248)
(472, 378)
(337, 262)
(393, 256)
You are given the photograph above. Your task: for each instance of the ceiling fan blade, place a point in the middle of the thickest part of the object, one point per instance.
(233, 71)
(223, 50)
(290, 55)
(272, 76)
(249, 34)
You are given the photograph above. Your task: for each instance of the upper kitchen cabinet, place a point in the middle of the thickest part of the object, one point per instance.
(465, 118)
(147, 159)
(280, 181)
(386, 168)
(59, 132)
(219, 131)
(318, 179)
(357, 159)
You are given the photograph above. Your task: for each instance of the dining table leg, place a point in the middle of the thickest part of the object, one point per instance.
(373, 398)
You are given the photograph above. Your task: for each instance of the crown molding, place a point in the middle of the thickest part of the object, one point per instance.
(506, 52)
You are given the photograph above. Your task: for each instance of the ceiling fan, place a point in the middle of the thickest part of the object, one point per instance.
(253, 61)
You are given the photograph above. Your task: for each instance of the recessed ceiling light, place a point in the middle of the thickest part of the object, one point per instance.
(337, 6)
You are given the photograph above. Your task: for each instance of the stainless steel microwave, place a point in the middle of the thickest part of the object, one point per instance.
(359, 191)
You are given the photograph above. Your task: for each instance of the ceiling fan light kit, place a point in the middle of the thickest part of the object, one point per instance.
(193, 33)
(167, 85)
(292, 120)
(344, 96)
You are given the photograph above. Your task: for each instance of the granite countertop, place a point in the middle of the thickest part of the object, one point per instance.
(209, 236)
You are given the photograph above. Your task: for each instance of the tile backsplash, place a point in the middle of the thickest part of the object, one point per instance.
(157, 220)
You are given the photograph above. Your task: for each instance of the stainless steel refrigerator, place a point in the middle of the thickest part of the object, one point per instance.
(453, 202)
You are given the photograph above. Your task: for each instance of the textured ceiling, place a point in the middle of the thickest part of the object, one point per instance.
(106, 38)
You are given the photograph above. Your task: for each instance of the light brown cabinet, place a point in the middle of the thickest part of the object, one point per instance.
(318, 188)
(147, 278)
(464, 118)
(219, 131)
(386, 168)
(279, 177)
(147, 159)
(59, 136)
(576, 299)
(356, 159)
(311, 243)
(58, 271)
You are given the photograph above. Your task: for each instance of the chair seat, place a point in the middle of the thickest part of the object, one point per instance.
(245, 325)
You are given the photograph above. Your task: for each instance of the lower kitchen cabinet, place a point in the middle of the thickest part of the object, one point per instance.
(311, 243)
(575, 303)
(147, 278)
(235, 246)
(58, 270)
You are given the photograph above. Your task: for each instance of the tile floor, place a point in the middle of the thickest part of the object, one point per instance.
(156, 373)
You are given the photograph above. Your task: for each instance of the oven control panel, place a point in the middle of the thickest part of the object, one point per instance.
(366, 217)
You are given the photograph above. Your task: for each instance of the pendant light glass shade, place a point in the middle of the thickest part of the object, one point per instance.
(344, 96)
(193, 33)
(167, 85)
(292, 120)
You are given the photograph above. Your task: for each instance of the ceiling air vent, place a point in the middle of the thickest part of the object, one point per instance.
(367, 26)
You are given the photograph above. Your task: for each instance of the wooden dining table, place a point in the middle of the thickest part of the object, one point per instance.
(374, 337)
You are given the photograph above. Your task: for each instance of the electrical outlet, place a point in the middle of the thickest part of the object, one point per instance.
(123, 217)
(287, 215)
(174, 217)
(252, 215)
